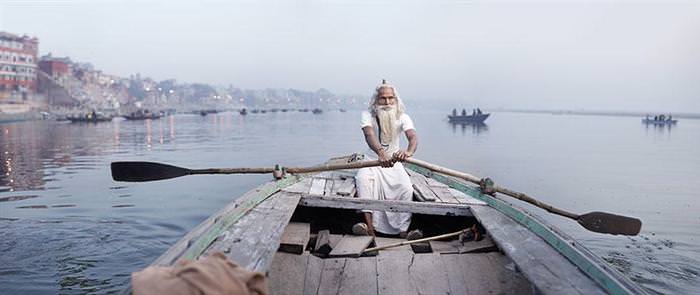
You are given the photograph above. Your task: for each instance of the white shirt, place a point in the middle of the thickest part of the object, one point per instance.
(403, 124)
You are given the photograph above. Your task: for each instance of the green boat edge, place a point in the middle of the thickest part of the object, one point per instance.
(201, 245)
(594, 267)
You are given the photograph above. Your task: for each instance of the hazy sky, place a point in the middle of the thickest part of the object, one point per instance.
(621, 55)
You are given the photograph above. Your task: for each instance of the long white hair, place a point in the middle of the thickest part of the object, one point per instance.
(400, 108)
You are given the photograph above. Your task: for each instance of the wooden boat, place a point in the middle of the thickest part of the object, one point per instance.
(143, 115)
(659, 122)
(206, 112)
(468, 119)
(98, 117)
(276, 229)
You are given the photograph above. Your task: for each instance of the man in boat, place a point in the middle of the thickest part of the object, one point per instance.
(382, 126)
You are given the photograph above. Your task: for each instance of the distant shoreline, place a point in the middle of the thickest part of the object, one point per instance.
(600, 113)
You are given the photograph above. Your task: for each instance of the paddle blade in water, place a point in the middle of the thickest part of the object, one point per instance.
(145, 171)
(607, 223)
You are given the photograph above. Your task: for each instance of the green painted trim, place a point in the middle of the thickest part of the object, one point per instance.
(606, 277)
(232, 217)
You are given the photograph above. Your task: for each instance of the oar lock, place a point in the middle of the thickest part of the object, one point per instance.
(279, 172)
(487, 186)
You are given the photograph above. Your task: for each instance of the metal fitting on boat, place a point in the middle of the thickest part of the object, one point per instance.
(278, 173)
(487, 186)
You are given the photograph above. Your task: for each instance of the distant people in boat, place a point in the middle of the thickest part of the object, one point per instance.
(475, 112)
(660, 118)
(382, 126)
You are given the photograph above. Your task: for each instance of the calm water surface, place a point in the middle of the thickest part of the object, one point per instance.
(66, 227)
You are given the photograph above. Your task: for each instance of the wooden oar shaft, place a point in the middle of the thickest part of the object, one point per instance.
(293, 170)
(392, 245)
(505, 191)
(329, 167)
(264, 170)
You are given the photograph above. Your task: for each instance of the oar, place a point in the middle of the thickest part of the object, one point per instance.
(600, 222)
(150, 171)
(397, 244)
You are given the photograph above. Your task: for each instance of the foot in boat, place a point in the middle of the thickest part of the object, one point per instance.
(360, 229)
(412, 235)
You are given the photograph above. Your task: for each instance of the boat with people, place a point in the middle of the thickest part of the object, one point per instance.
(476, 117)
(296, 229)
(660, 120)
(90, 117)
(143, 115)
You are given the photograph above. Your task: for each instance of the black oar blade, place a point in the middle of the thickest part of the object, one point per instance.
(145, 171)
(608, 223)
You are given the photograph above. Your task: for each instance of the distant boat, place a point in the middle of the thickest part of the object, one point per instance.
(90, 118)
(243, 111)
(255, 111)
(142, 115)
(317, 111)
(474, 118)
(659, 122)
(206, 112)
(342, 110)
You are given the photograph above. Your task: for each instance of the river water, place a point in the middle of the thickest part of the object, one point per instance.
(66, 227)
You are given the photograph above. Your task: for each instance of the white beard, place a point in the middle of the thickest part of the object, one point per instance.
(387, 124)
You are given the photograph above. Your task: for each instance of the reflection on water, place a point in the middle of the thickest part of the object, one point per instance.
(474, 128)
(67, 227)
(661, 128)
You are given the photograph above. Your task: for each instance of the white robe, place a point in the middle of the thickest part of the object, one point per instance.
(378, 183)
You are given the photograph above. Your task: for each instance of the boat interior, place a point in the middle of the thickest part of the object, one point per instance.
(320, 255)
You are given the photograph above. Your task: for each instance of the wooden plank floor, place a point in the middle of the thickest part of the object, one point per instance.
(397, 272)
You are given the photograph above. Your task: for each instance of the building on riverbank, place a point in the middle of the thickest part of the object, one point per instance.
(18, 67)
(58, 68)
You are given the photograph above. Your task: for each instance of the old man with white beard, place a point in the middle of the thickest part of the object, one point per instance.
(382, 125)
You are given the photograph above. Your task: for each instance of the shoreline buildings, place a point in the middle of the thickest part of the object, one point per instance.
(18, 67)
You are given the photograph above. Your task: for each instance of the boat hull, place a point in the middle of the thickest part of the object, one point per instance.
(469, 119)
(659, 122)
(88, 120)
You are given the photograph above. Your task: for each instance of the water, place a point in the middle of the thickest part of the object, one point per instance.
(66, 227)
